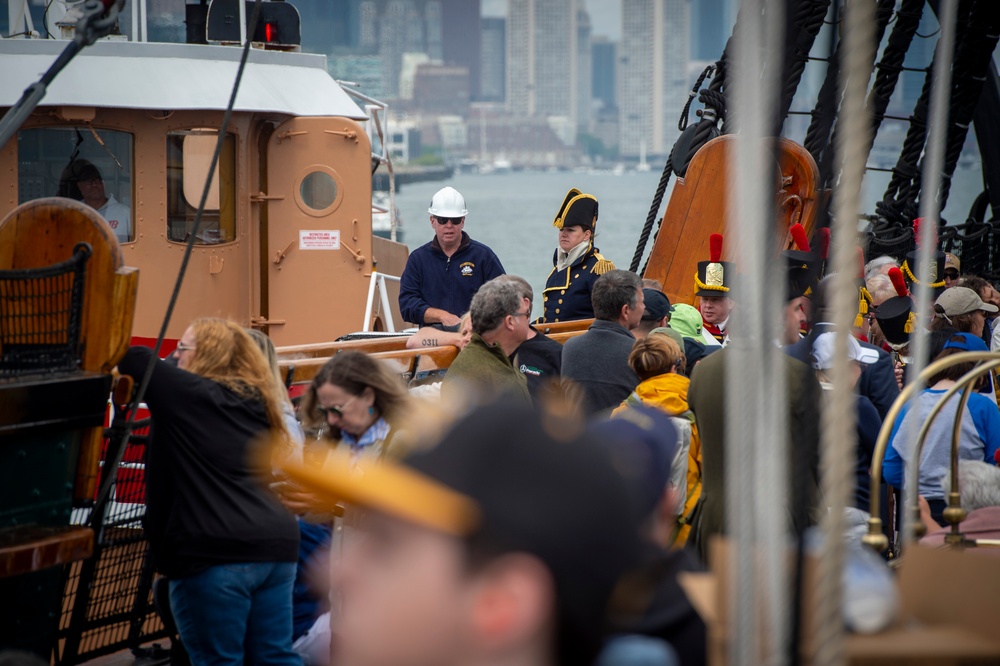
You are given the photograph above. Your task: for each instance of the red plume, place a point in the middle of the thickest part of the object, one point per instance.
(799, 237)
(861, 264)
(715, 248)
(898, 282)
(824, 243)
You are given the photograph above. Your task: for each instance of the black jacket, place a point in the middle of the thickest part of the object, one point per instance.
(206, 502)
(598, 362)
(540, 359)
(878, 380)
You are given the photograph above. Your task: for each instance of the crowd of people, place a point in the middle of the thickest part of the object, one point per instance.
(546, 515)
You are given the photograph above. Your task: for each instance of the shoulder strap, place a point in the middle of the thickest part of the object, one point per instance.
(602, 266)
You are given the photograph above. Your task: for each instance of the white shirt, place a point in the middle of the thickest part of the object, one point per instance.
(710, 339)
(119, 218)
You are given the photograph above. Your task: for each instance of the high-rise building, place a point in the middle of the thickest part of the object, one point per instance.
(604, 63)
(492, 73)
(584, 71)
(653, 84)
(711, 25)
(460, 30)
(542, 58)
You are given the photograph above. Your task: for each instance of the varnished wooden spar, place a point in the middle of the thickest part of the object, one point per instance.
(698, 207)
(409, 362)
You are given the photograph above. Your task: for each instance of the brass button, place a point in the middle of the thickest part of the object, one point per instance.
(585, 267)
(560, 301)
(576, 276)
(556, 320)
(557, 310)
(545, 298)
(563, 292)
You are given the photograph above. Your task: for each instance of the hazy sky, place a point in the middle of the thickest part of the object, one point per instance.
(605, 15)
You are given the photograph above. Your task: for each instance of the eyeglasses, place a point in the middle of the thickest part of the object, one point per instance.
(336, 411)
(181, 347)
(450, 220)
(521, 314)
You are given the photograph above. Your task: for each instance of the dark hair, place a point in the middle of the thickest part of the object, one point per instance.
(975, 283)
(494, 301)
(961, 323)
(354, 371)
(612, 291)
(955, 372)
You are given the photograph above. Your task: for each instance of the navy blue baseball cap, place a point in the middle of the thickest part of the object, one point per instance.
(966, 342)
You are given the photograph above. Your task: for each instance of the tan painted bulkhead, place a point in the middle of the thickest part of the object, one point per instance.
(318, 294)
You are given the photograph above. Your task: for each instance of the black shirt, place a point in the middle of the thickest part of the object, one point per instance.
(206, 502)
(540, 359)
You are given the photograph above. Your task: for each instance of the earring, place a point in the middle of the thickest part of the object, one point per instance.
(371, 410)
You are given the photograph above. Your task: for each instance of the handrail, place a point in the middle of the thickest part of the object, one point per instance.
(378, 279)
(875, 538)
(963, 382)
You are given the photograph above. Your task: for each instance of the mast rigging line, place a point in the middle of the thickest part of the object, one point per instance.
(111, 467)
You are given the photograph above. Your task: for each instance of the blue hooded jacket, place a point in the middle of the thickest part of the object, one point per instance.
(432, 279)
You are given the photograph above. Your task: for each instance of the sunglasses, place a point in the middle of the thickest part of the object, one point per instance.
(450, 220)
(336, 411)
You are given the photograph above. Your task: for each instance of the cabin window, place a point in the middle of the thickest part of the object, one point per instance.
(189, 155)
(319, 191)
(85, 163)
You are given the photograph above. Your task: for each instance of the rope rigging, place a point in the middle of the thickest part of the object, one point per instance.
(800, 35)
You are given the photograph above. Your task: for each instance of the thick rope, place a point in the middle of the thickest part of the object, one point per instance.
(883, 13)
(929, 211)
(800, 35)
(973, 56)
(838, 419)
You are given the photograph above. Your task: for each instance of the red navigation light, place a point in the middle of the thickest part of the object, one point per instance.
(270, 32)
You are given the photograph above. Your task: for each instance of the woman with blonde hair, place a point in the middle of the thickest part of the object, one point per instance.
(356, 400)
(222, 538)
(658, 362)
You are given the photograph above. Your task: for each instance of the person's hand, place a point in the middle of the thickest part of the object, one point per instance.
(898, 371)
(299, 500)
(925, 515)
(448, 319)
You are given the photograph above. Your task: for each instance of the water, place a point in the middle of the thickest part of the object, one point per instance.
(512, 213)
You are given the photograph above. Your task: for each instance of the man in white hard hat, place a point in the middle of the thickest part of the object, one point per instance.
(442, 276)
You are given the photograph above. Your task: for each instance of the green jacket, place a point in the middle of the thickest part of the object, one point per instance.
(487, 372)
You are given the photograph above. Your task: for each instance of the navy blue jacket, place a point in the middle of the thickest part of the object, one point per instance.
(878, 380)
(432, 279)
(566, 296)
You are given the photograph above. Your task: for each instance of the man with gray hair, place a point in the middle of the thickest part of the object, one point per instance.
(539, 357)
(597, 361)
(979, 487)
(500, 317)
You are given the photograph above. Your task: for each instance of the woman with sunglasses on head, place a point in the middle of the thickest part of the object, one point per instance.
(355, 399)
(222, 538)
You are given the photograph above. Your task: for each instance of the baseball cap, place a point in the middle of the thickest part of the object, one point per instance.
(670, 333)
(657, 304)
(951, 261)
(966, 342)
(961, 300)
(824, 349)
(686, 320)
(642, 442)
(506, 474)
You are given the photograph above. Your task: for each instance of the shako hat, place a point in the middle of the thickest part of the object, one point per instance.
(804, 265)
(577, 210)
(714, 277)
(912, 270)
(895, 316)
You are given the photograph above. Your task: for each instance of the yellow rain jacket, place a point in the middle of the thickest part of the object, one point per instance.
(669, 393)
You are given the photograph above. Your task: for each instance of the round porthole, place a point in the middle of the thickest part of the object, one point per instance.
(319, 191)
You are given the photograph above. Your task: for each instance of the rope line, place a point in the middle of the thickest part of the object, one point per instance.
(111, 466)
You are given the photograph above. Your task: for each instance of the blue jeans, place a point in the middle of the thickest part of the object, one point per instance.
(636, 650)
(232, 614)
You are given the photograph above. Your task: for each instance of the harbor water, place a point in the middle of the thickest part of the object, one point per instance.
(512, 212)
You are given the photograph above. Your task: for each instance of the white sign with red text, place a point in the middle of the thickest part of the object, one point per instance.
(319, 239)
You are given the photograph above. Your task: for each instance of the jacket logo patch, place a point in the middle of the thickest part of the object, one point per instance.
(528, 370)
(467, 268)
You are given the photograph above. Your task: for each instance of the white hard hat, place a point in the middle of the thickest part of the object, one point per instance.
(447, 202)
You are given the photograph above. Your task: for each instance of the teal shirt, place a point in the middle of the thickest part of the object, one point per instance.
(485, 370)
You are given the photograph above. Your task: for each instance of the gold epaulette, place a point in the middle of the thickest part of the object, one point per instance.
(602, 266)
